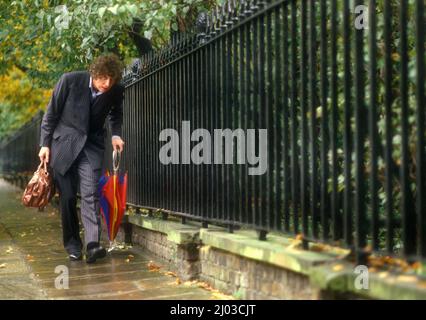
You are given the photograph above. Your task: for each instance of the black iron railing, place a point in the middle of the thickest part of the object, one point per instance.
(343, 107)
(19, 152)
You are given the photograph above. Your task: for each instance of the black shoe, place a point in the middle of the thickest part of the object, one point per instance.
(94, 254)
(75, 256)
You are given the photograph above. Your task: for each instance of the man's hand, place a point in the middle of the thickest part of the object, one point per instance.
(44, 154)
(117, 144)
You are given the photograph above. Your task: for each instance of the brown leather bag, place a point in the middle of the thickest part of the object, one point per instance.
(40, 189)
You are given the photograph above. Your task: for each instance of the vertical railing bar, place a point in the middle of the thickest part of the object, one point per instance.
(222, 118)
(247, 116)
(324, 125)
(159, 103)
(242, 114)
(143, 107)
(347, 146)
(420, 110)
(186, 106)
(373, 124)
(171, 115)
(278, 207)
(303, 109)
(210, 117)
(254, 118)
(216, 124)
(272, 170)
(148, 141)
(138, 182)
(388, 99)
(360, 121)
(175, 81)
(335, 207)
(313, 122)
(286, 136)
(293, 81)
(407, 202)
(192, 118)
(227, 120)
(236, 105)
(262, 112)
(203, 103)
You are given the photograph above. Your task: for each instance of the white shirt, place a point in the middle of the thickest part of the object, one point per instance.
(93, 91)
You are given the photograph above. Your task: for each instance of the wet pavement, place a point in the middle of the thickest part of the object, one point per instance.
(34, 265)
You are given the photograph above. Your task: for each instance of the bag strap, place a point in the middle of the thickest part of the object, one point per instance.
(44, 164)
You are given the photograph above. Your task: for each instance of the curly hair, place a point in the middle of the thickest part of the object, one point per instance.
(107, 65)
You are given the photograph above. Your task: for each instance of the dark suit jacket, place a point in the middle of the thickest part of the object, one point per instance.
(71, 123)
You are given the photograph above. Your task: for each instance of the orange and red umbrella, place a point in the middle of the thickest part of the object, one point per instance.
(112, 198)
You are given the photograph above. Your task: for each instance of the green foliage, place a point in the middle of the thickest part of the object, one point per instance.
(46, 38)
(20, 100)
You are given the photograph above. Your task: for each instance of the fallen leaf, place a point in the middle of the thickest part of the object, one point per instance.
(178, 281)
(296, 243)
(383, 274)
(299, 237)
(387, 259)
(9, 250)
(127, 260)
(172, 274)
(376, 262)
(222, 296)
(319, 247)
(368, 248)
(153, 267)
(205, 286)
(338, 267)
(396, 57)
(3, 265)
(416, 265)
(404, 278)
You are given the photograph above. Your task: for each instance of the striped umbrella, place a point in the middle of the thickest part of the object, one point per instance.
(112, 197)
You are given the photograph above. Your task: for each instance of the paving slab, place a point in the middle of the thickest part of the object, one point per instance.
(32, 258)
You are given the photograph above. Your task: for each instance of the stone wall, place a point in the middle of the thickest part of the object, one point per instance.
(246, 268)
(232, 274)
(249, 279)
(180, 258)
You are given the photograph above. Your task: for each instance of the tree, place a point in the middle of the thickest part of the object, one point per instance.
(17, 109)
(44, 38)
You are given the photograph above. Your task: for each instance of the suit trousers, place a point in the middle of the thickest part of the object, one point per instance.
(79, 176)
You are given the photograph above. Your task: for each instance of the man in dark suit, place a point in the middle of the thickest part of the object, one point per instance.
(72, 140)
